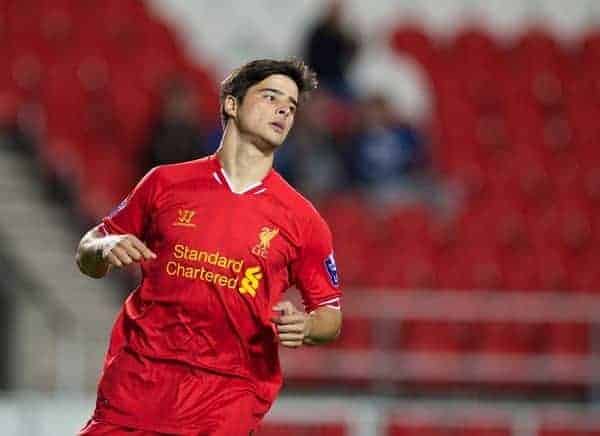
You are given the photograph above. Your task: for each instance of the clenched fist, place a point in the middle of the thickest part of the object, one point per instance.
(122, 250)
(98, 252)
(293, 326)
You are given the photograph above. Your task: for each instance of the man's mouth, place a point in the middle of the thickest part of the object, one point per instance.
(278, 126)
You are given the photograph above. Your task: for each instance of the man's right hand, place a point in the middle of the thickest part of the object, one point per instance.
(98, 252)
(123, 250)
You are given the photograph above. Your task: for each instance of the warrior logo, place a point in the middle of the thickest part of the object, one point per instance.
(184, 218)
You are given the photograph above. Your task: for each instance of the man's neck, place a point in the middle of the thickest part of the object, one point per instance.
(244, 163)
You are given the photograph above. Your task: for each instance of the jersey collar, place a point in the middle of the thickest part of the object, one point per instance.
(220, 176)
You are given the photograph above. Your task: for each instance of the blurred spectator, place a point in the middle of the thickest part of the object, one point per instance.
(311, 158)
(177, 134)
(330, 48)
(407, 86)
(386, 149)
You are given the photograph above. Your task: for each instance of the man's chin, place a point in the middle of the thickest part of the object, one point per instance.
(266, 141)
(270, 142)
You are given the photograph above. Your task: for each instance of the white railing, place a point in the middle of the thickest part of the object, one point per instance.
(38, 415)
(386, 310)
(76, 357)
(523, 306)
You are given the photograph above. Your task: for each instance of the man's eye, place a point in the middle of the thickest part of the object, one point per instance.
(270, 97)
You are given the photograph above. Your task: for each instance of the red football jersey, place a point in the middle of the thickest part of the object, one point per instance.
(224, 260)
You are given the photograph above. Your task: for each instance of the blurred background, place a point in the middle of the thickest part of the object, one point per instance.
(453, 147)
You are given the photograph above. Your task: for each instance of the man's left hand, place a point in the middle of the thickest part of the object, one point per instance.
(293, 326)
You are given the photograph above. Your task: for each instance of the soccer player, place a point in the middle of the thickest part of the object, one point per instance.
(194, 350)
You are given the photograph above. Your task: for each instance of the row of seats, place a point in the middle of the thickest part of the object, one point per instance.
(392, 430)
(395, 430)
(535, 48)
(398, 429)
(509, 130)
(567, 432)
(300, 429)
(515, 127)
(493, 246)
(496, 337)
(430, 430)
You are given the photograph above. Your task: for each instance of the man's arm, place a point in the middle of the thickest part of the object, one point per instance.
(296, 328)
(98, 252)
(324, 325)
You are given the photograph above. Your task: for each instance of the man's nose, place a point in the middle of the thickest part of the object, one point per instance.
(283, 110)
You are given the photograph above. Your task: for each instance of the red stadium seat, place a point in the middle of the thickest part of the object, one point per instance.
(130, 8)
(436, 336)
(452, 270)
(582, 116)
(408, 223)
(586, 274)
(520, 271)
(357, 333)
(450, 430)
(486, 274)
(419, 272)
(510, 338)
(591, 188)
(23, 17)
(475, 53)
(11, 96)
(474, 261)
(565, 227)
(419, 430)
(575, 230)
(492, 136)
(207, 94)
(535, 188)
(64, 105)
(412, 40)
(567, 338)
(591, 51)
(456, 426)
(401, 268)
(538, 50)
(512, 230)
(107, 179)
(404, 257)
(472, 180)
(133, 107)
(558, 139)
(347, 216)
(490, 430)
(566, 431)
(570, 186)
(472, 40)
(553, 270)
(300, 429)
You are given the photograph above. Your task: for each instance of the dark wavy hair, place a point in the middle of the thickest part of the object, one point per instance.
(239, 80)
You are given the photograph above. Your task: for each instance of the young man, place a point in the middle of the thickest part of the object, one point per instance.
(194, 350)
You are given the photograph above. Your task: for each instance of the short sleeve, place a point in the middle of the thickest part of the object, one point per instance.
(315, 273)
(132, 214)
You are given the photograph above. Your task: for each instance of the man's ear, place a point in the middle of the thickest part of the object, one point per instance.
(231, 106)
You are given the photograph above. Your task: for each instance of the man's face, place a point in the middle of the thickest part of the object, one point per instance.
(268, 109)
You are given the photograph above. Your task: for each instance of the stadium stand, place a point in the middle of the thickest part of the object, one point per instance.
(96, 71)
(500, 296)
